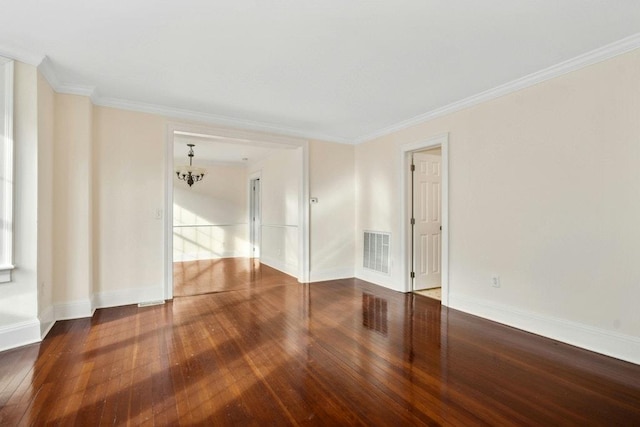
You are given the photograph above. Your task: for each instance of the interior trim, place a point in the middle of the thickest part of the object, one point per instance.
(19, 334)
(442, 141)
(610, 343)
(598, 55)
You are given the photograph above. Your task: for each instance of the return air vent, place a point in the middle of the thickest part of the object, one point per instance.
(376, 251)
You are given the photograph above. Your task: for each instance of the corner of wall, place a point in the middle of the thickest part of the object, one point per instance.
(280, 265)
(379, 279)
(73, 310)
(330, 274)
(47, 320)
(128, 296)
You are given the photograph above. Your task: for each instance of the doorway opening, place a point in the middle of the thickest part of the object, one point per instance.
(425, 213)
(218, 225)
(426, 223)
(254, 217)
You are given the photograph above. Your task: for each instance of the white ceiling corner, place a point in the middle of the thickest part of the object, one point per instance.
(21, 55)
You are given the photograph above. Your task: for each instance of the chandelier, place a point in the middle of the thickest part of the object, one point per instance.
(188, 172)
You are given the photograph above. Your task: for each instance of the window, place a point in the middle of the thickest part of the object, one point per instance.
(6, 169)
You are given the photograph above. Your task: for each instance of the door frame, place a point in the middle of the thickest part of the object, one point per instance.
(252, 237)
(406, 150)
(241, 136)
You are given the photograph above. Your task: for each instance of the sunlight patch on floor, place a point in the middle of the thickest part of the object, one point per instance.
(435, 293)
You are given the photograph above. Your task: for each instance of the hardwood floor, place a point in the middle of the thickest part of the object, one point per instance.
(224, 274)
(435, 293)
(342, 352)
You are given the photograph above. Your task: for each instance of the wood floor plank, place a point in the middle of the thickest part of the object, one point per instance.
(225, 274)
(275, 352)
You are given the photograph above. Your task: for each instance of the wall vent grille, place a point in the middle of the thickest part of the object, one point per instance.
(376, 251)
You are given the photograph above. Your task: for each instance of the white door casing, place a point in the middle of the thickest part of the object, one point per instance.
(254, 217)
(404, 189)
(427, 203)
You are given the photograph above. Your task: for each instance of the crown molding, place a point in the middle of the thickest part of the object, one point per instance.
(182, 114)
(21, 55)
(243, 136)
(47, 70)
(598, 55)
(71, 89)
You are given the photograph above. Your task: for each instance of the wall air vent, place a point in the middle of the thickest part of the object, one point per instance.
(376, 251)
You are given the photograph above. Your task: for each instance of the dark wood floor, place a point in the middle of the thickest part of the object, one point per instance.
(334, 353)
(224, 274)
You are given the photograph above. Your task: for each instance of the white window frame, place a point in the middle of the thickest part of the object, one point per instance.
(6, 174)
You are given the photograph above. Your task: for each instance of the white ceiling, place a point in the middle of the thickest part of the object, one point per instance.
(212, 149)
(332, 69)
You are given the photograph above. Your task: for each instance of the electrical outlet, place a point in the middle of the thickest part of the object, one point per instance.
(495, 281)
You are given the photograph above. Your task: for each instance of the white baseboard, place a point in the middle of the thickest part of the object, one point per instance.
(19, 334)
(380, 279)
(73, 310)
(128, 296)
(280, 266)
(47, 320)
(609, 343)
(29, 332)
(331, 274)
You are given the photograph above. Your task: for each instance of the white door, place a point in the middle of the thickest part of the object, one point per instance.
(254, 217)
(427, 208)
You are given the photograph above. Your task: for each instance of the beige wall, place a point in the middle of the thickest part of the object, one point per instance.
(544, 193)
(73, 184)
(129, 164)
(331, 181)
(280, 182)
(377, 194)
(218, 204)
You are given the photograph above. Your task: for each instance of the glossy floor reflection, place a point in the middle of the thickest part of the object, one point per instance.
(224, 274)
(342, 352)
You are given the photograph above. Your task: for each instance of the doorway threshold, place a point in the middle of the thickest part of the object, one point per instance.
(435, 293)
